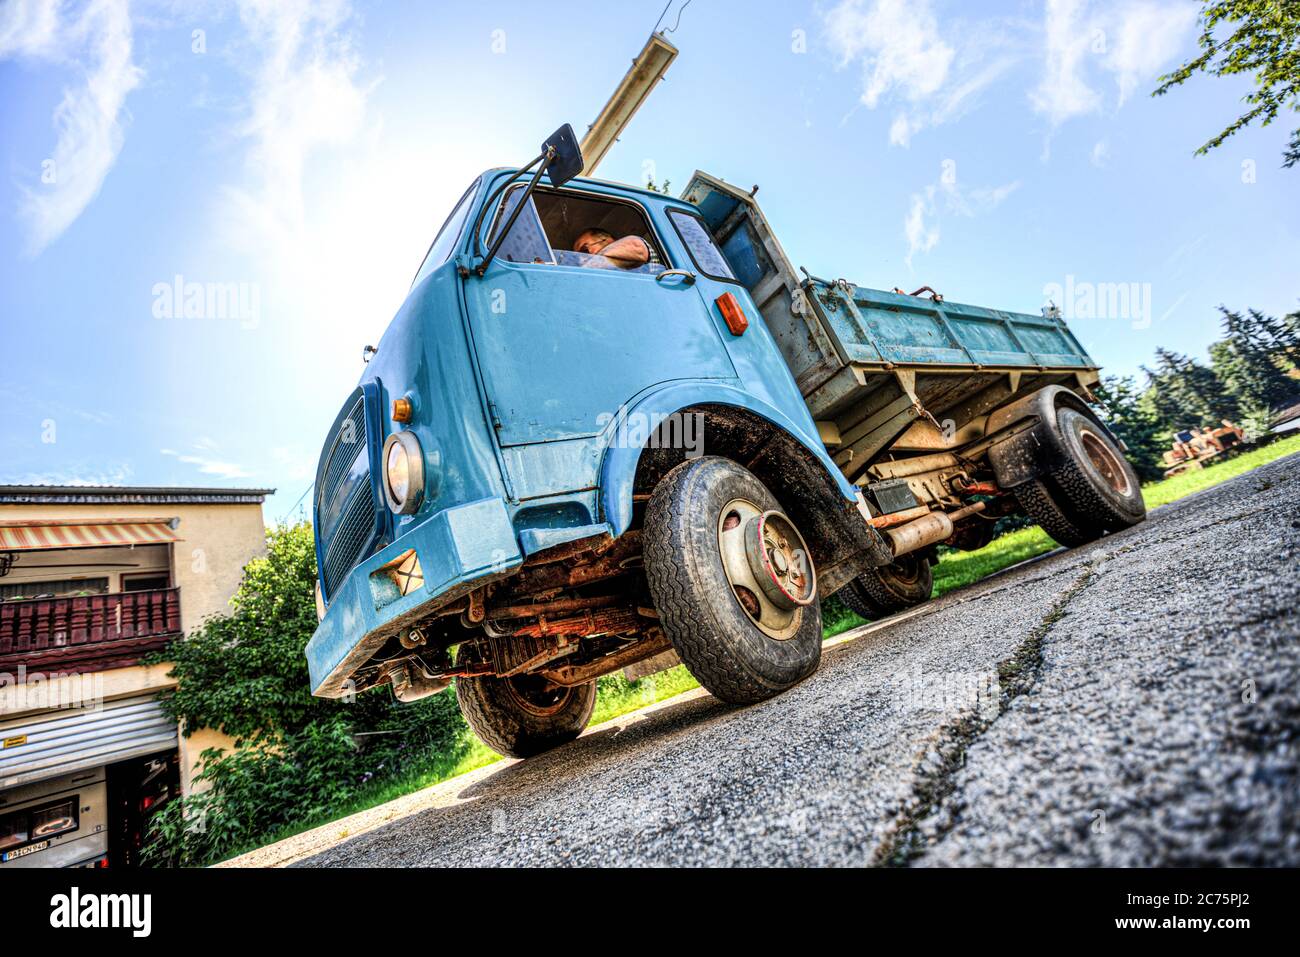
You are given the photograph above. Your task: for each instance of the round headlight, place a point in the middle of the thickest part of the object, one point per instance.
(399, 472)
(403, 472)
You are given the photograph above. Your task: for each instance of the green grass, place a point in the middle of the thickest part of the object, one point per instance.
(618, 696)
(1180, 486)
(964, 568)
(959, 569)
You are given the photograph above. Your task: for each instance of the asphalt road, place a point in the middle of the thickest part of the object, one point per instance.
(1135, 702)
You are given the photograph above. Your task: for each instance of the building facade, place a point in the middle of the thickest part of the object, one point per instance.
(92, 580)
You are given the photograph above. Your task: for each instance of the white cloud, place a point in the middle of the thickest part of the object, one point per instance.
(88, 119)
(921, 224)
(206, 464)
(28, 28)
(1100, 154)
(1132, 41)
(1146, 37)
(922, 235)
(81, 475)
(899, 43)
(904, 59)
(1063, 91)
(304, 97)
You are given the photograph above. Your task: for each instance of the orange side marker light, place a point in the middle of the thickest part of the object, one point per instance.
(729, 306)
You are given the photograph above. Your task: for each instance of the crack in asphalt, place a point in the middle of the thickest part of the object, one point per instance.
(937, 764)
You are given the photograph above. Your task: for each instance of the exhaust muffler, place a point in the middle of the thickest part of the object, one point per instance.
(928, 529)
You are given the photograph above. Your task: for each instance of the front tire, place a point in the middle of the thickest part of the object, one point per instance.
(1094, 491)
(744, 637)
(524, 715)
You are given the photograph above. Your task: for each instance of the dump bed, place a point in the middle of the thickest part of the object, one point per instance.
(869, 362)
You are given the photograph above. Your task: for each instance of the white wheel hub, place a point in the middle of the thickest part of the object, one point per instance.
(768, 567)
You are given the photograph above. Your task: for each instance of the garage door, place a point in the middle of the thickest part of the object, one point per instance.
(39, 747)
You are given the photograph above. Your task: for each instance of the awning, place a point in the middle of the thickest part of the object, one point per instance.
(23, 536)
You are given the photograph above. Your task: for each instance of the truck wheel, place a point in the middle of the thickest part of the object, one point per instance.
(1095, 491)
(889, 589)
(732, 581)
(526, 714)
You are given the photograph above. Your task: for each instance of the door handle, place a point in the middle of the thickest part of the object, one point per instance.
(687, 277)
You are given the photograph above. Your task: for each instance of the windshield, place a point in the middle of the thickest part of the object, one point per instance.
(445, 241)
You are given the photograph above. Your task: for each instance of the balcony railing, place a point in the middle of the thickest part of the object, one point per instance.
(90, 633)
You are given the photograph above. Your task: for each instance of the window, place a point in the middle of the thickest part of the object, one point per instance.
(149, 582)
(526, 242)
(442, 245)
(705, 254)
(65, 588)
(547, 231)
(31, 825)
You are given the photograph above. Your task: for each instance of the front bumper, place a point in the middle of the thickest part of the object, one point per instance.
(455, 547)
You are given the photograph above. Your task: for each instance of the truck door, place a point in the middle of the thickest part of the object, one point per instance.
(563, 340)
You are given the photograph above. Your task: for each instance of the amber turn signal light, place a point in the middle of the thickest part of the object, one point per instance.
(402, 410)
(729, 306)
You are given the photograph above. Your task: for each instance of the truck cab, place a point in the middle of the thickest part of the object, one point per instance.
(558, 465)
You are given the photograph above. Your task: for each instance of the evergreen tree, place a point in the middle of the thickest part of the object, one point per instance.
(1123, 410)
(1185, 394)
(1249, 361)
(1284, 340)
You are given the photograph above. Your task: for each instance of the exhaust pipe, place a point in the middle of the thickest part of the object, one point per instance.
(410, 684)
(928, 529)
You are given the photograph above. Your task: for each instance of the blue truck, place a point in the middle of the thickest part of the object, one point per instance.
(558, 465)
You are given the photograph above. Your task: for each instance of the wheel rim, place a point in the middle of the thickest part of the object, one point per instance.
(767, 566)
(1104, 461)
(536, 695)
(906, 570)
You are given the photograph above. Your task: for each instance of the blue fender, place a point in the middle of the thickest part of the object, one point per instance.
(618, 468)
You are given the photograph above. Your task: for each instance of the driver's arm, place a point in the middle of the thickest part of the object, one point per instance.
(628, 252)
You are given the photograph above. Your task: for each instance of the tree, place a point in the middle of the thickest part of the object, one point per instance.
(1284, 340)
(1184, 394)
(297, 757)
(1124, 413)
(1263, 38)
(1249, 361)
(245, 673)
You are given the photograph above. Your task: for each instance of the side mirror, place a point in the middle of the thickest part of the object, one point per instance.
(567, 162)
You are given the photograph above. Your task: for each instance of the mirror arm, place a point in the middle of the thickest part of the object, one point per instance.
(519, 208)
(491, 200)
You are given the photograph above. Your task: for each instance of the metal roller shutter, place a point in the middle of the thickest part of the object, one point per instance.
(61, 742)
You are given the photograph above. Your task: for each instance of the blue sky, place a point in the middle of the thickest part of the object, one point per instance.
(301, 155)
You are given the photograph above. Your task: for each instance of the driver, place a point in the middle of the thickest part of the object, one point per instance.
(627, 253)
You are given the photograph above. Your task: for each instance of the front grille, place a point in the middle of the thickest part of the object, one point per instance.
(352, 535)
(346, 518)
(347, 440)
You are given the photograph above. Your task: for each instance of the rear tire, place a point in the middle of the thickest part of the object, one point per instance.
(708, 616)
(524, 715)
(1093, 492)
(889, 589)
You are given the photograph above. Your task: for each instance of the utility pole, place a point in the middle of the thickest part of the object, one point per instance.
(647, 69)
